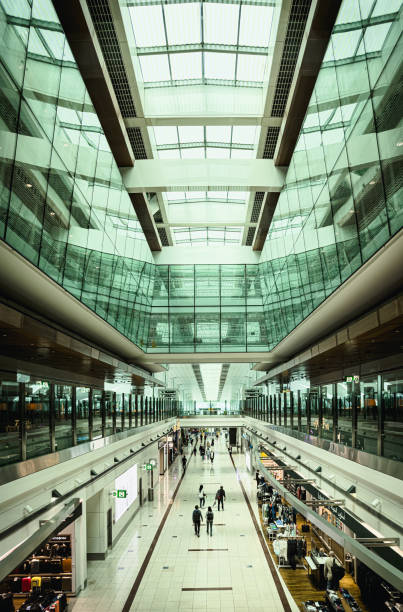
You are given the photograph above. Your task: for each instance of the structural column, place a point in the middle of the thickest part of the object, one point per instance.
(299, 409)
(22, 429)
(103, 413)
(381, 417)
(90, 414)
(52, 415)
(74, 415)
(335, 413)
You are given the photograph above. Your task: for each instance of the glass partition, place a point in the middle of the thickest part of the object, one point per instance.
(37, 418)
(63, 420)
(10, 451)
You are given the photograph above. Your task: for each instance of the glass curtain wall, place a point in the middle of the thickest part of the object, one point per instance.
(40, 417)
(63, 205)
(343, 194)
(207, 308)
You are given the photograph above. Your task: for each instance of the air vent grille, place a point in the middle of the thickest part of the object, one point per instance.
(249, 238)
(158, 217)
(103, 23)
(293, 38)
(271, 142)
(163, 236)
(257, 205)
(137, 143)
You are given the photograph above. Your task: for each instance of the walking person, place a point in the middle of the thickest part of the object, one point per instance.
(184, 462)
(212, 457)
(194, 451)
(257, 477)
(209, 520)
(220, 496)
(333, 572)
(202, 496)
(197, 517)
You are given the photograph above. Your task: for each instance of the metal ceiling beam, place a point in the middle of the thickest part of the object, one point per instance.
(146, 220)
(130, 3)
(203, 175)
(319, 27)
(119, 25)
(77, 25)
(266, 216)
(199, 47)
(208, 119)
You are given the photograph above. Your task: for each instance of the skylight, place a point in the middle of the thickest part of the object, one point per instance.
(207, 236)
(197, 142)
(207, 43)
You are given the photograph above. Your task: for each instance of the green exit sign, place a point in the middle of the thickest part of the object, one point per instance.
(354, 378)
(149, 466)
(120, 493)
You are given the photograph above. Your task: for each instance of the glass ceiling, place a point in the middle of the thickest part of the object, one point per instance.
(209, 43)
(201, 142)
(205, 236)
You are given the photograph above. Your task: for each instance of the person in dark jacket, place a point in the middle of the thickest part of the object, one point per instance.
(196, 518)
(184, 461)
(209, 520)
(220, 496)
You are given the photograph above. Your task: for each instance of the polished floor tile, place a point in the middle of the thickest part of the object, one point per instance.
(241, 566)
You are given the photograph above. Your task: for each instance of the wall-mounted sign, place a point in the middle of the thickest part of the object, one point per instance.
(120, 493)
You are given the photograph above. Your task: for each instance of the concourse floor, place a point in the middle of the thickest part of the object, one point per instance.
(228, 571)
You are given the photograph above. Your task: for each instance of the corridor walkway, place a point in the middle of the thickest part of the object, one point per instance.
(228, 571)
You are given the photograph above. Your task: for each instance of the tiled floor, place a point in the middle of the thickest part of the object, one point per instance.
(173, 566)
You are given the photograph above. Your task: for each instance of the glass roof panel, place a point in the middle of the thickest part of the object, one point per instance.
(191, 133)
(244, 134)
(218, 133)
(165, 134)
(250, 67)
(219, 65)
(183, 23)
(155, 68)
(186, 66)
(220, 23)
(148, 25)
(255, 25)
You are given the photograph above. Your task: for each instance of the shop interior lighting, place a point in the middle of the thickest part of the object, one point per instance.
(325, 502)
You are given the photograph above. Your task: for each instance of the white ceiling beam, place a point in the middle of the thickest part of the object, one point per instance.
(203, 120)
(203, 175)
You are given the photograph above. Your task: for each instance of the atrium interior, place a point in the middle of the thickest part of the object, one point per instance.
(201, 247)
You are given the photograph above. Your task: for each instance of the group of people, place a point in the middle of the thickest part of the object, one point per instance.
(197, 516)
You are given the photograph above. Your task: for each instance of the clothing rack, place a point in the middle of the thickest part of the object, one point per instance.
(284, 561)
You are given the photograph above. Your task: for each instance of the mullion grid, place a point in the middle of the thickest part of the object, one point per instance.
(236, 49)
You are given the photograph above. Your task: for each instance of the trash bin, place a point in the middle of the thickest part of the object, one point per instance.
(150, 494)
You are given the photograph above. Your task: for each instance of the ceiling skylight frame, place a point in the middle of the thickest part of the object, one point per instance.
(212, 40)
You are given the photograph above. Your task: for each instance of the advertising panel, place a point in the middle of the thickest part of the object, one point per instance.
(128, 482)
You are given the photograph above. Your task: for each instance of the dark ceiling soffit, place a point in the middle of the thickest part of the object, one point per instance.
(78, 27)
(313, 49)
(269, 206)
(146, 221)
